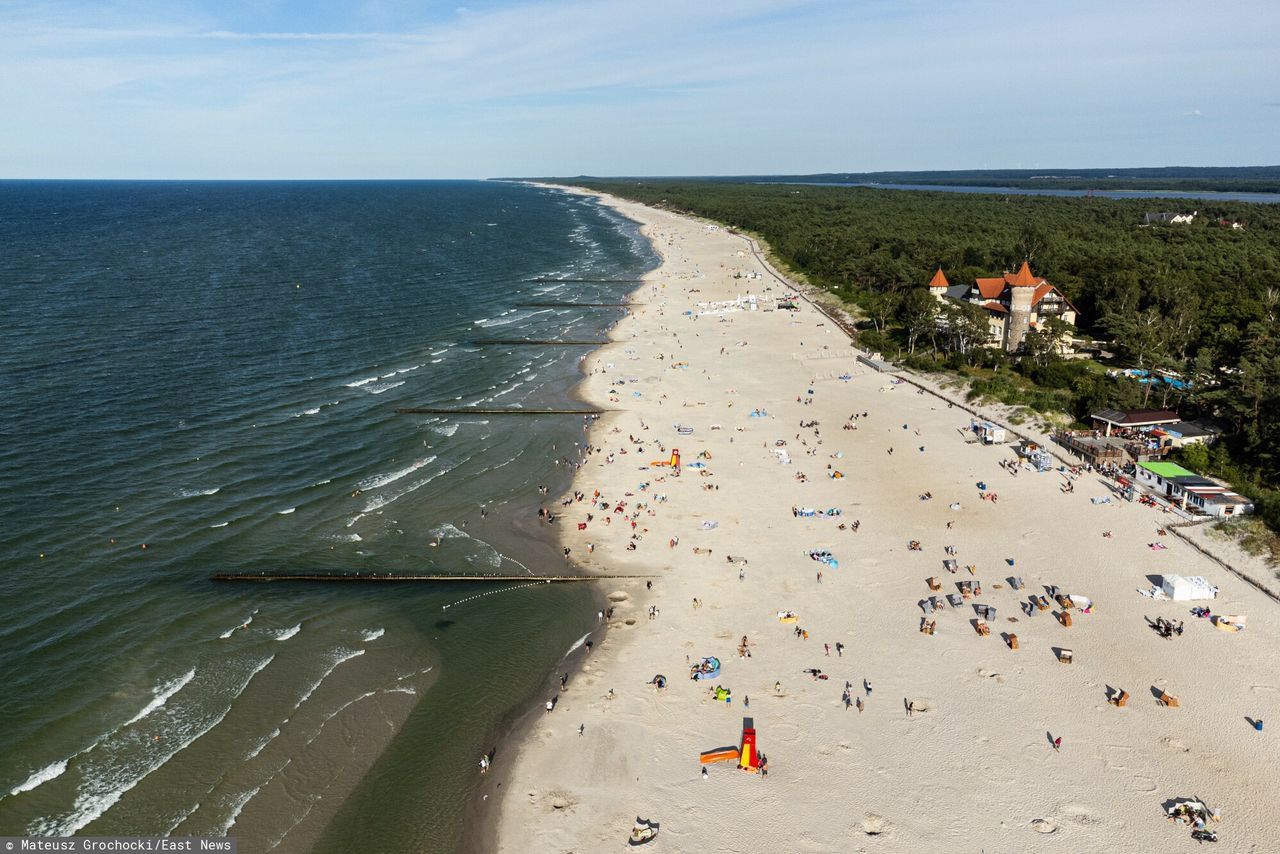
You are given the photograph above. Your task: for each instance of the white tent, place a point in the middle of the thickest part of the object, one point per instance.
(1181, 589)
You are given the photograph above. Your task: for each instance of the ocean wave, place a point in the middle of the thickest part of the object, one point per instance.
(379, 389)
(162, 695)
(100, 792)
(286, 511)
(313, 411)
(506, 390)
(436, 361)
(360, 383)
(195, 493)
(446, 429)
(285, 634)
(391, 477)
(578, 643)
(339, 657)
(408, 370)
(372, 634)
(347, 538)
(257, 748)
(229, 632)
(323, 482)
(236, 806)
(441, 351)
(381, 501)
(49, 772)
(220, 525)
(448, 531)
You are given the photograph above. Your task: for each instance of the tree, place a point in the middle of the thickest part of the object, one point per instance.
(966, 328)
(1044, 344)
(918, 312)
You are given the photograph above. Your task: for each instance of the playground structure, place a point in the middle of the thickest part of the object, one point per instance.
(746, 754)
(674, 462)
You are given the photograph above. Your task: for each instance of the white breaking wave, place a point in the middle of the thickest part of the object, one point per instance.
(285, 634)
(383, 500)
(286, 512)
(162, 695)
(229, 632)
(220, 525)
(361, 382)
(322, 482)
(384, 479)
(258, 747)
(236, 806)
(436, 361)
(99, 793)
(579, 642)
(50, 772)
(345, 655)
(445, 430)
(379, 389)
(194, 493)
(373, 634)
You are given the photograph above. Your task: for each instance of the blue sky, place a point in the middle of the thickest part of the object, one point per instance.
(391, 88)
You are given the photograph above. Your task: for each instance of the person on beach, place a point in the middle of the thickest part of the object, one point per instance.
(1057, 744)
(866, 684)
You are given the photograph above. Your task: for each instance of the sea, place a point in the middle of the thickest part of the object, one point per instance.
(202, 378)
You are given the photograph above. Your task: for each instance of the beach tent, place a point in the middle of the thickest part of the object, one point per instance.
(1181, 589)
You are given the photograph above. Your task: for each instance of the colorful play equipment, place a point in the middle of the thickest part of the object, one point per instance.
(719, 754)
(707, 668)
(749, 757)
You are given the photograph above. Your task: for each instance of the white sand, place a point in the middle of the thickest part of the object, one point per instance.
(976, 769)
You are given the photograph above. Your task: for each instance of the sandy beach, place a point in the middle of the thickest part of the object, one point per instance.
(912, 741)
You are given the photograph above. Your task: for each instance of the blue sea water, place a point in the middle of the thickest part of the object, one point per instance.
(203, 377)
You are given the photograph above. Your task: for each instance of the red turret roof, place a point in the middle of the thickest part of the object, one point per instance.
(939, 280)
(1024, 279)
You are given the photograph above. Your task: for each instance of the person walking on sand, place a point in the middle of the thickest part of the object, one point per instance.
(827, 647)
(859, 703)
(839, 649)
(581, 729)
(1057, 744)
(911, 707)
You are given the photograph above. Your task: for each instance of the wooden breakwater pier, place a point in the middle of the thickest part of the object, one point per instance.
(536, 342)
(576, 304)
(472, 410)
(262, 577)
(602, 281)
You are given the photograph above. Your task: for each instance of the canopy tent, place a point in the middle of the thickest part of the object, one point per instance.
(1183, 589)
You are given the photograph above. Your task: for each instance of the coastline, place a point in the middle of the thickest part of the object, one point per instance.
(972, 767)
(481, 828)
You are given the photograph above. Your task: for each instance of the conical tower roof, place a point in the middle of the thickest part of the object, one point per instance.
(939, 280)
(1024, 279)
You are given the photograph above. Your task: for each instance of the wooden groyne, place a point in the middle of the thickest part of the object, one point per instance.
(576, 304)
(604, 281)
(471, 410)
(261, 577)
(527, 342)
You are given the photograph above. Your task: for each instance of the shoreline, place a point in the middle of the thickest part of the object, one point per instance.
(954, 772)
(481, 828)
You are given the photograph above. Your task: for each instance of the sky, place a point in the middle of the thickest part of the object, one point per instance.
(399, 89)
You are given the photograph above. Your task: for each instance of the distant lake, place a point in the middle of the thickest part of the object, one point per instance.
(1258, 198)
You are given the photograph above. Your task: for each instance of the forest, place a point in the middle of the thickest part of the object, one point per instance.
(1198, 300)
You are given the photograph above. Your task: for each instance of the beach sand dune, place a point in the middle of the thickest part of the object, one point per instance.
(952, 749)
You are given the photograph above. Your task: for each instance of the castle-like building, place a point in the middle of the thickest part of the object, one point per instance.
(1015, 303)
